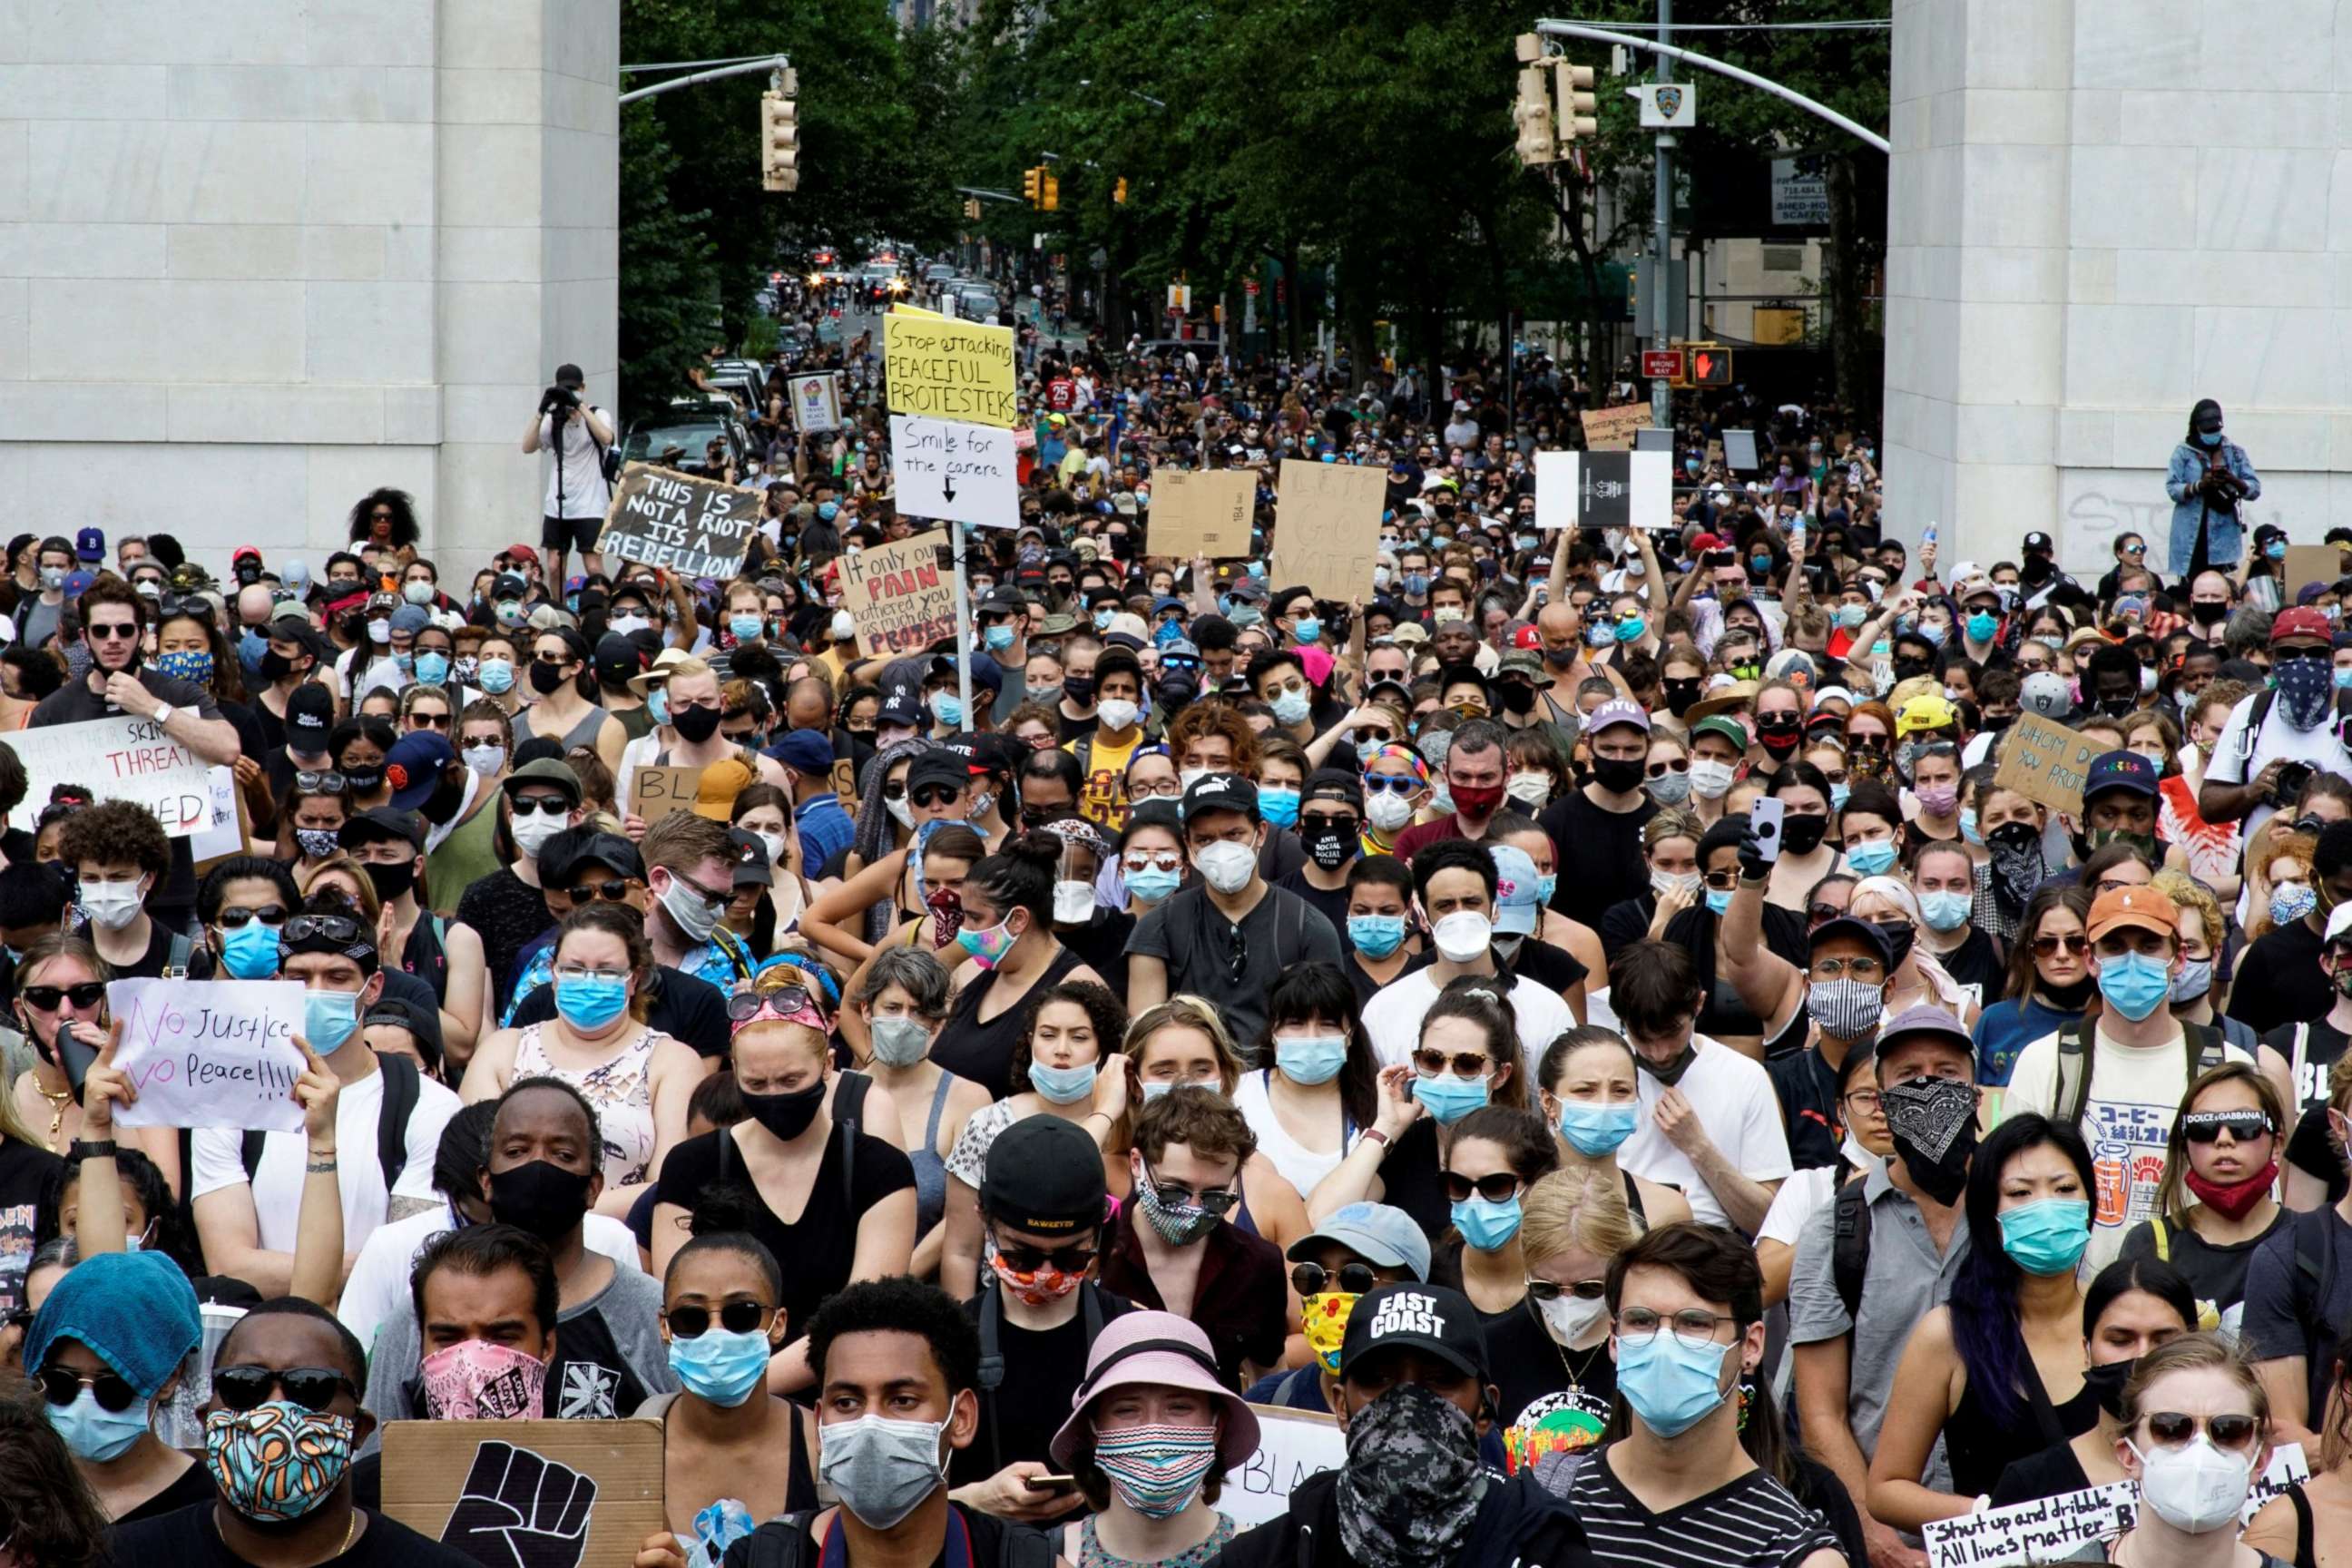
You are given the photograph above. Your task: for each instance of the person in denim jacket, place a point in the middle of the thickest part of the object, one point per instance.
(2208, 477)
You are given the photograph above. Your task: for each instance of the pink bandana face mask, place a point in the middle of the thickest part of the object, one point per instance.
(477, 1381)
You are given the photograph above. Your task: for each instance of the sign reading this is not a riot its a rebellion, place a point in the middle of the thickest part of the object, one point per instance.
(695, 527)
(119, 758)
(209, 1053)
(900, 594)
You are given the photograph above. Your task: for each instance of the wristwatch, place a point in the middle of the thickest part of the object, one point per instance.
(96, 1148)
(164, 711)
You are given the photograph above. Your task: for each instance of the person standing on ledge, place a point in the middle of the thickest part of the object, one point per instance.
(2208, 477)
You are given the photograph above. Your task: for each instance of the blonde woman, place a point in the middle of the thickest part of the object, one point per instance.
(1920, 978)
(2196, 1433)
(1551, 1359)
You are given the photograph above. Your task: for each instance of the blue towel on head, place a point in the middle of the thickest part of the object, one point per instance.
(135, 1311)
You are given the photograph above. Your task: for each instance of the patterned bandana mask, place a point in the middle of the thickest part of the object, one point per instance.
(2306, 691)
(1934, 1123)
(946, 915)
(1156, 1469)
(1326, 1324)
(477, 1381)
(276, 1461)
(1413, 1482)
(1178, 1225)
(1036, 1286)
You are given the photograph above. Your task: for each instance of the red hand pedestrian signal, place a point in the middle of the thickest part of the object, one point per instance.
(1710, 367)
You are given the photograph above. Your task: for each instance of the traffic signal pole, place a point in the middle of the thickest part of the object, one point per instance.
(1661, 395)
(1665, 51)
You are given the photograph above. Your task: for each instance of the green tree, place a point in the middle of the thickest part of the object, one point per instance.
(669, 278)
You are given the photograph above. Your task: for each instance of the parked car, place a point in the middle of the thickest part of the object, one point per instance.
(681, 437)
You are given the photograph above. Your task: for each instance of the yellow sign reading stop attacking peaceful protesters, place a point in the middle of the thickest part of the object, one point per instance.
(947, 369)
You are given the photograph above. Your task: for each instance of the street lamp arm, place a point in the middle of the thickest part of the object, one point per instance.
(1685, 57)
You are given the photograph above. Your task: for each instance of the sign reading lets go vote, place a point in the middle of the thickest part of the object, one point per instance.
(209, 1053)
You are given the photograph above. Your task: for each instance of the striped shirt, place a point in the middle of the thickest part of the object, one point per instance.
(1753, 1522)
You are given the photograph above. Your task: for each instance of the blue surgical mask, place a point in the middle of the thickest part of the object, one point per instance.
(1450, 1099)
(91, 1431)
(744, 627)
(656, 702)
(591, 1001)
(1488, 1226)
(2275, 551)
(721, 1367)
(250, 951)
(1546, 886)
(1063, 1085)
(1718, 903)
(496, 675)
(1944, 910)
(1671, 1386)
(2136, 984)
(1307, 628)
(1103, 618)
(432, 668)
(998, 638)
(2043, 1237)
(1278, 804)
(2209, 437)
(1291, 706)
(1871, 858)
(1374, 936)
(1311, 1058)
(1596, 1130)
(1152, 884)
(1982, 624)
(1840, 793)
(328, 1018)
(1968, 825)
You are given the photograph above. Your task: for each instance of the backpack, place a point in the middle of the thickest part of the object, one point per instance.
(608, 458)
(784, 1543)
(401, 1079)
(991, 1351)
(2202, 1042)
(2314, 1260)
(1849, 1246)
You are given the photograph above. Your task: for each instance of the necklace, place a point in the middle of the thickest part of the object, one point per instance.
(349, 1534)
(58, 1103)
(1576, 1375)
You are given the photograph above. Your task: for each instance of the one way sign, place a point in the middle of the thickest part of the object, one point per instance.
(947, 469)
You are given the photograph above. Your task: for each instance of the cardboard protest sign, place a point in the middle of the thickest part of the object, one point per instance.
(1292, 1445)
(2051, 1528)
(227, 832)
(2045, 762)
(656, 791)
(542, 1494)
(948, 370)
(817, 403)
(696, 527)
(1327, 527)
(209, 1053)
(947, 469)
(2308, 563)
(1201, 513)
(901, 594)
(1604, 489)
(119, 758)
(1611, 430)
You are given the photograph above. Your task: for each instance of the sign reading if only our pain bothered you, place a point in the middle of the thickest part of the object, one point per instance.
(209, 1053)
(693, 526)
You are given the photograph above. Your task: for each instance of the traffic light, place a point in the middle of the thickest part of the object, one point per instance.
(1119, 190)
(1053, 201)
(1579, 108)
(1033, 186)
(1709, 366)
(779, 137)
(1532, 112)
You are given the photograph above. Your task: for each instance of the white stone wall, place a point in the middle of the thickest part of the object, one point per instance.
(2100, 211)
(258, 256)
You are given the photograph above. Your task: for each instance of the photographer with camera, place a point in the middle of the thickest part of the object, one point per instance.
(581, 435)
(2276, 736)
(2210, 476)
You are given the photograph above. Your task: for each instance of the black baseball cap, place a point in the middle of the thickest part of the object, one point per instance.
(1867, 932)
(567, 852)
(310, 718)
(1044, 1174)
(1334, 784)
(617, 659)
(381, 825)
(1221, 792)
(1409, 1315)
(752, 868)
(938, 765)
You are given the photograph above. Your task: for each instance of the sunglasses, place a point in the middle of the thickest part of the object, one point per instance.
(2228, 1431)
(743, 1004)
(1428, 1061)
(1313, 1279)
(1175, 1194)
(1388, 783)
(936, 793)
(551, 805)
(321, 784)
(90, 993)
(113, 633)
(1817, 913)
(1722, 881)
(2206, 1126)
(334, 928)
(612, 891)
(1671, 765)
(1582, 1289)
(2048, 946)
(1499, 1188)
(233, 917)
(312, 1387)
(1022, 1258)
(735, 1317)
(429, 721)
(2278, 656)
(63, 1386)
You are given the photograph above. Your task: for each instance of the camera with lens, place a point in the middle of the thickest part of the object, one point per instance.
(559, 399)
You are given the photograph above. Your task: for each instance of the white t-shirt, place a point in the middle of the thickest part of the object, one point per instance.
(1807, 1190)
(1300, 1166)
(1393, 1022)
(278, 1183)
(585, 491)
(2134, 1092)
(1736, 1105)
(378, 1286)
(2229, 764)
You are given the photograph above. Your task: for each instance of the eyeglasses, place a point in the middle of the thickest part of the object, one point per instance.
(334, 928)
(2048, 946)
(88, 993)
(233, 917)
(551, 804)
(1499, 1188)
(2244, 1126)
(1428, 1061)
(111, 631)
(321, 784)
(1640, 1325)
(1388, 784)
(312, 1387)
(1866, 1100)
(615, 890)
(1868, 969)
(1582, 1289)
(1022, 1258)
(63, 1386)
(581, 972)
(2231, 1430)
(735, 1317)
(1175, 1194)
(1313, 1279)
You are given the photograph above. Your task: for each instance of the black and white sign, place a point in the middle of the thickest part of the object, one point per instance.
(1604, 489)
(949, 468)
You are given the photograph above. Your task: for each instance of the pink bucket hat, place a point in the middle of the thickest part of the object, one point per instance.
(1167, 1351)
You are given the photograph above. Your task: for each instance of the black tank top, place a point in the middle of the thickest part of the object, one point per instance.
(1979, 1448)
(983, 1052)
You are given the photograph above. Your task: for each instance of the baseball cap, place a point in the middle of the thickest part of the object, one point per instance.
(1221, 792)
(2045, 691)
(1725, 726)
(522, 552)
(752, 867)
(804, 750)
(1520, 661)
(902, 703)
(2302, 621)
(411, 619)
(1405, 1317)
(1517, 909)
(2143, 906)
(1862, 931)
(1926, 1018)
(2039, 545)
(565, 853)
(413, 765)
(617, 659)
(381, 823)
(77, 584)
(1928, 710)
(2119, 770)
(544, 770)
(90, 544)
(1618, 711)
(721, 781)
(2339, 923)
(1380, 1234)
(310, 718)
(1044, 1175)
(1334, 784)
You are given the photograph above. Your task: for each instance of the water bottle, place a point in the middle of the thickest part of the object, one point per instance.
(1927, 539)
